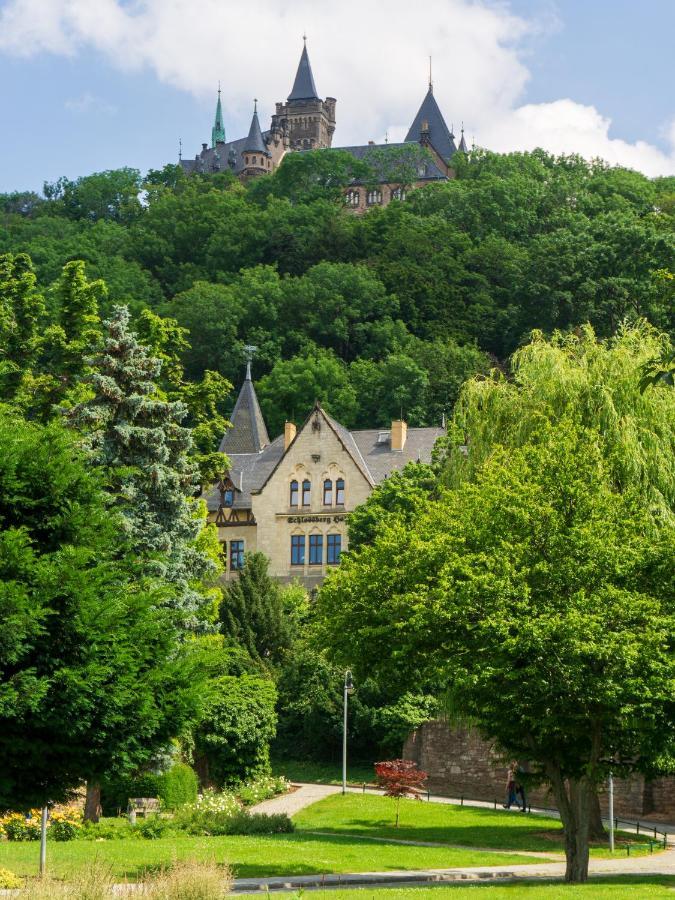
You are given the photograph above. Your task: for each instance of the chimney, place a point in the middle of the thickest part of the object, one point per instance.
(289, 433)
(399, 433)
(371, 143)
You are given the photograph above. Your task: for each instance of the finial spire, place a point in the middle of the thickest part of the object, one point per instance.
(249, 353)
(180, 149)
(218, 130)
(431, 82)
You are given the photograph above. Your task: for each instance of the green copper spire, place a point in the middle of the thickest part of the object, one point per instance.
(218, 130)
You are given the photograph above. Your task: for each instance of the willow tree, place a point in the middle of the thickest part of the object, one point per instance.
(593, 384)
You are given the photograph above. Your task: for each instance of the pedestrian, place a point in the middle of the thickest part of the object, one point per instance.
(510, 785)
(519, 788)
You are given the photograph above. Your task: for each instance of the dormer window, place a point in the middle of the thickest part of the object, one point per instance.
(228, 497)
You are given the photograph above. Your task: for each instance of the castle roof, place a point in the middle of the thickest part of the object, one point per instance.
(248, 433)
(218, 130)
(255, 142)
(427, 171)
(429, 119)
(303, 86)
(462, 144)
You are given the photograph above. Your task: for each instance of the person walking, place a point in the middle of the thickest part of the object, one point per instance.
(519, 787)
(510, 786)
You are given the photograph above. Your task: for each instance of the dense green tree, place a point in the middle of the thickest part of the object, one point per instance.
(293, 385)
(104, 195)
(90, 680)
(253, 613)
(315, 175)
(544, 599)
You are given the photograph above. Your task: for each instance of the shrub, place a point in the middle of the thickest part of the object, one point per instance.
(154, 827)
(106, 831)
(115, 792)
(64, 824)
(177, 786)
(209, 814)
(259, 823)
(252, 792)
(19, 827)
(9, 881)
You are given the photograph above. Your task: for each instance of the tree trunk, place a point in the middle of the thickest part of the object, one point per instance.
(92, 804)
(574, 800)
(596, 830)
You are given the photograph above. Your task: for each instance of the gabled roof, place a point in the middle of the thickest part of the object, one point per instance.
(303, 86)
(249, 432)
(255, 142)
(439, 134)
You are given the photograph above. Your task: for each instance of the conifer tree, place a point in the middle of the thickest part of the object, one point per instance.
(21, 309)
(137, 439)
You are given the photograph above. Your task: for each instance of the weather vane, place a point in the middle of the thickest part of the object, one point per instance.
(249, 353)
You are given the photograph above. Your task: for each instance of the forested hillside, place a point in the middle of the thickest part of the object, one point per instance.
(373, 315)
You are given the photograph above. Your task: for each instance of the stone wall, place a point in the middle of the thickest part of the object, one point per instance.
(461, 764)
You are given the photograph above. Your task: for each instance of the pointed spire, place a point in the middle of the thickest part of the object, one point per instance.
(431, 81)
(249, 432)
(303, 86)
(218, 130)
(255, 142)
(430, 119)
(462, 144)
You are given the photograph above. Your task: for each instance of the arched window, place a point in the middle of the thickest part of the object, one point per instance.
(352, 198)
(340, 492)
(294, 493)
(328, 492)
(333, 549)
(306, 492)
(374, 197)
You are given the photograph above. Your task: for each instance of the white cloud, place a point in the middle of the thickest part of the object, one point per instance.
(371, 55)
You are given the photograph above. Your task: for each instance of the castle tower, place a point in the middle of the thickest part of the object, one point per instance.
(218, 130)
(462, 144)
(429, 127)
(306, 121)
(257, 158)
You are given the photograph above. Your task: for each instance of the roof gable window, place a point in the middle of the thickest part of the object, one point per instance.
(294, 493)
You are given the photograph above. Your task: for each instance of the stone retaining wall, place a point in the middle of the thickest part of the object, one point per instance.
(461, 764)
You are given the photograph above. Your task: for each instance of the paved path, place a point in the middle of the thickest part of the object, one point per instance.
(293, 802)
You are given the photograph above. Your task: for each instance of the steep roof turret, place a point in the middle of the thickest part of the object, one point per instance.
(218, 130)
(255, 142)
(429, 119)
(303, 86)
(248, 433)
(462, 144)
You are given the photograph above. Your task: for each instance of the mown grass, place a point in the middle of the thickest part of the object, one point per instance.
(299, 854)
(373, 816)
(614, 888)
(323, 772)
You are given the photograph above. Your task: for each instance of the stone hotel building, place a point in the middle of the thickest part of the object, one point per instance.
(289, 497)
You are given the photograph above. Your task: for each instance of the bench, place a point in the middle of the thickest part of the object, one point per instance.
(142, 806)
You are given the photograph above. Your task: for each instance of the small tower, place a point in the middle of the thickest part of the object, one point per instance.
(463, 146)
(429, 127)
(306, 121)
(218, 130)
(257, 158)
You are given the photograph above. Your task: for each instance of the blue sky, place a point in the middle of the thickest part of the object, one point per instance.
(95, 84)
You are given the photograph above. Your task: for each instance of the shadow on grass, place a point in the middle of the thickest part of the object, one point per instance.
(519, 888)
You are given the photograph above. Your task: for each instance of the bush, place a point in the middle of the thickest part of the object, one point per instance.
(259, 823)
(154, 827)
(119, 829)
(261, 789)
(19, 827)
(208, 814)
(177, 786)
(115, 792)
(64, 824)
(9, 881)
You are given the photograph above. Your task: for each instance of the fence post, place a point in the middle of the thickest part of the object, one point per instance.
(429, 795)
(638, 828)
(627, 849)
(364, 787)
(461, 803)
(495, 804)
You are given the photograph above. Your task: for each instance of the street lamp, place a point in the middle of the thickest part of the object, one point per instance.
(349, 689)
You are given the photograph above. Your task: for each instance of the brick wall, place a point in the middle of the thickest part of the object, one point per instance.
(461, 764)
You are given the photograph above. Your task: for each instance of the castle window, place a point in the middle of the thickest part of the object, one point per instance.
(255, 160)
(398, 194)
(352, 198)
(328, 492)
(228, 497)
(306, 492)
(294, 493)
(340, 492)
(333, 549)
(297, 549)
(315, 549)
(422, 170)
(374, 197)
(236, 555)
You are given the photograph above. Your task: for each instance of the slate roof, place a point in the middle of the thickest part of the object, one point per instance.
(255, 142)
(439, 133)
(303, 86)
(248, 433)
(462, 144)
(370, 449)
(431, 170)
(218, 159)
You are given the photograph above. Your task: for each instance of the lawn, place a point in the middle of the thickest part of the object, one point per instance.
(300, 854)
(619, 888)
(372, 815)
(323, 773)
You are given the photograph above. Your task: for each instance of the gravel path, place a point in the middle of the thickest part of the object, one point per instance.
(293, 802)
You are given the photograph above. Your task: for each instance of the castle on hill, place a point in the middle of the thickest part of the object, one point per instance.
(305, 121)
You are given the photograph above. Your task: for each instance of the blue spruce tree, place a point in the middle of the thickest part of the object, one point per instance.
(139, 442)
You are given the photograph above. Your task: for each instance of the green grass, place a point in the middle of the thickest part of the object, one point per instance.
(372, 815)
(615, 888)
(299, 854)
(323, 773)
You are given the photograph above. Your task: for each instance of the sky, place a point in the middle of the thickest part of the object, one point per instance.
(88, 85)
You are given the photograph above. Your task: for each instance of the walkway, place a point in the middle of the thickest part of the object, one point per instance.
(293, 802)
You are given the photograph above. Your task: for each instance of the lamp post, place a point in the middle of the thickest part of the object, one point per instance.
(611, 812)
(349, 689)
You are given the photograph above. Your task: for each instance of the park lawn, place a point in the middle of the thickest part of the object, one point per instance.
(298, 854)
(614, 888)
(311, 772)
(373, 816)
